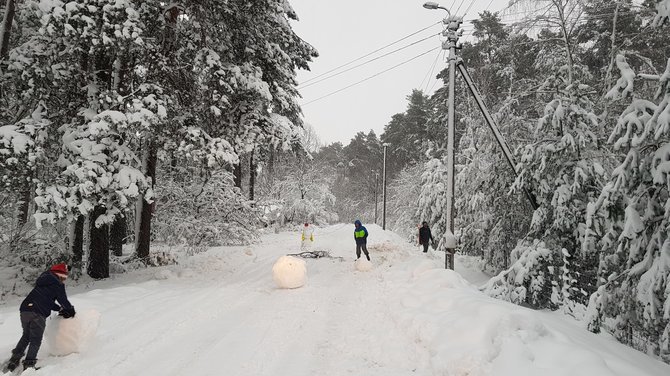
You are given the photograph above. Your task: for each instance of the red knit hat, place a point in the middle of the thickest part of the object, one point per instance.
(60, 270)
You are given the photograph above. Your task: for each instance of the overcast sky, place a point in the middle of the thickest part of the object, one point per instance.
(345, 30)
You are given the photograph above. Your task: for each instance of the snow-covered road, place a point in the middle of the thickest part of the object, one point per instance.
(220, 313)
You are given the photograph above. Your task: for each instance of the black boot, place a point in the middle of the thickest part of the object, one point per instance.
(30, 364)
(14, 361)
(368, 256)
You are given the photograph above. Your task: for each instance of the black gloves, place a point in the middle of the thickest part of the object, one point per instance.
(66, 313)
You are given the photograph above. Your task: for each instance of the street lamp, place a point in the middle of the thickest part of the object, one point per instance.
(452, 25)
(434, 5)
(386, 144)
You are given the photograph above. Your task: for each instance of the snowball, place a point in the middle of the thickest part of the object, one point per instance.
(67, 336)
(363, 265)
(289, 272)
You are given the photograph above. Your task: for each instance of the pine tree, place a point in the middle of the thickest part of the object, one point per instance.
(629, 221)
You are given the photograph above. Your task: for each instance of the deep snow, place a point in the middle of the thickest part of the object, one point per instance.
(221, 313)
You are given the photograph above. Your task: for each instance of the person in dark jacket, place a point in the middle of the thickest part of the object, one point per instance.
(361, 237)
(425, 237)
(35, 309)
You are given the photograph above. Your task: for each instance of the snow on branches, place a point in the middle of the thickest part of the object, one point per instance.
(662, 12)
(20, 148)
(98, 171)
(635, 266)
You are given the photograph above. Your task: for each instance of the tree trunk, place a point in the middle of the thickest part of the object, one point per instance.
(98, 261)
(144, 236)
(77, 242)
(560, 7)
(10, 11)
(613, 51)
(237, 174)
(117, 235)
(252, 176)
(143, 229)
(24, 204)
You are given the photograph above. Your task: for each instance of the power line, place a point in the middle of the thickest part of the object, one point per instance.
(444, 52)
(469, 7)
(459, 6)
(366, 62)
(452, 6)
(371, 53)
(430, 72)
(370, 77)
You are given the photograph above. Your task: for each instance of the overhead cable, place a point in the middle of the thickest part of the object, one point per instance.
(426, 79)
(371, 53)
(469, 7)
(366, 62)
(373, 76)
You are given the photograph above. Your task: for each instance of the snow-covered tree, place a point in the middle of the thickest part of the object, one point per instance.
(128, 85)
(629, 221)
(433, 200)
(402, 194)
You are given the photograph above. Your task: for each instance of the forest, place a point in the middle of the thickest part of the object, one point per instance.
(145, 125)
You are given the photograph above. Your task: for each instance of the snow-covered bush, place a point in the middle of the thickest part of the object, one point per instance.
(301, 194)
(199, 211)
(531, 279)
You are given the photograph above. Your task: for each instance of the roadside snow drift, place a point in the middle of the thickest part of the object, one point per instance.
(289, 272)
(471, 334)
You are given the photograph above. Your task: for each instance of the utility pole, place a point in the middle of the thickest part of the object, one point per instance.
(452, 24)
(451, 32)
(376, 190)
(384, 189)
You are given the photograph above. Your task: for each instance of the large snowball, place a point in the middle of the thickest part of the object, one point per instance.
(67, 336)
(363, 265)
(289, 272)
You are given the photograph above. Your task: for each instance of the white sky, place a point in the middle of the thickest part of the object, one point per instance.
(219, 312)
(345, 30)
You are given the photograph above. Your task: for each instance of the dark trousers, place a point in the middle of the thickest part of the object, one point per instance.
(364, 247)
(425, 247)
(33, 328)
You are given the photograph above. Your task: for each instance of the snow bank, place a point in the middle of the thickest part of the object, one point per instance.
(289, 272)
(67, 336)
(471, 334)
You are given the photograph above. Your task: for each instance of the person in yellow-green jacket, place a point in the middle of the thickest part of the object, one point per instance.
(307, 238)
(361, 237)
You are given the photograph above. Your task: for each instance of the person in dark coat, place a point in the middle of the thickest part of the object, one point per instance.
(35, 309)
(361, 237)
(425, 237)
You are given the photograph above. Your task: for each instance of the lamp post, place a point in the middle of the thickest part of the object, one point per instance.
(376, 190)
(386, 144)
(452, 25)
